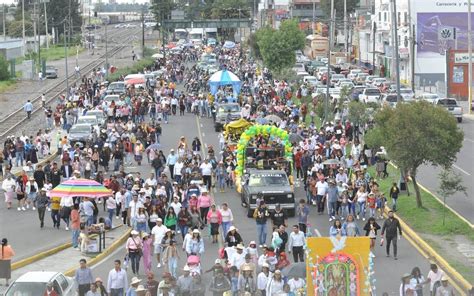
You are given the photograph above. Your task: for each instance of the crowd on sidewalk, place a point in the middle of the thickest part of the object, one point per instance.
(172, 209)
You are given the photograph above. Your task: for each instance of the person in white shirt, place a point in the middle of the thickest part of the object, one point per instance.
(206, 170)
(434, 277)
(178, 166)
(263, 278)
(120, 201)
(295, 284)
(227, 218)
(296, 244)
(66, 205)
(321, 195)
(133, 208)
(238, 258)
(406, 288)
(275, 284)
(151, 181)
(117, 281)
(157, 234)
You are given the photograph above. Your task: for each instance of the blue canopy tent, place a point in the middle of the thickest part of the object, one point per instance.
(222, 78)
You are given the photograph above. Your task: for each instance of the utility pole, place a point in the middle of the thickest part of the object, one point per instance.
(411, 52)
(328, 78)
(374, 29)
(395, 46)
(313, 23)
(469, 49)
(106, 53)
(65, 58)
(3, 18)
(46, 21)
(23, 23)
(143, 34)
(345, 28)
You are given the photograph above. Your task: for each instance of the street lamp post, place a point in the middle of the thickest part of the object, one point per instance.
(3, 18)
(46, 21)
(395, 46)
(469, 49)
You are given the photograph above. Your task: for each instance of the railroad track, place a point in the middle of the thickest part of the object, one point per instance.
(16, 118)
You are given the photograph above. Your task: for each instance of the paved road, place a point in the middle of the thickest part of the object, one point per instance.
(428, 175)
(387, 270)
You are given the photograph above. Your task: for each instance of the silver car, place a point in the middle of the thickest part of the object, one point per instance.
(34, 283)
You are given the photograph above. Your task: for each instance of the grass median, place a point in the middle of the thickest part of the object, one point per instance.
(7, 85)
(428, 223)
(135, 68)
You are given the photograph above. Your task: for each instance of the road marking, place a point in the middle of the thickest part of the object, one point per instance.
(203, 134)
(318, 234)
(460, 169)
(202, 125)
(200, 135)
(469, 140)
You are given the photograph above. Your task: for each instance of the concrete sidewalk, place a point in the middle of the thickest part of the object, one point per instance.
(67, 261)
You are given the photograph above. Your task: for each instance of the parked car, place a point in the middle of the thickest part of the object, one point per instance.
(378, 81)
(311, 80)
(51, 72)
(335, 78)
(407, 94)
(390, 100)
(370, 95)
(34, 283)
(361, 78)
(299, 67)
(429, 97)
(369, 79)
(452, 106)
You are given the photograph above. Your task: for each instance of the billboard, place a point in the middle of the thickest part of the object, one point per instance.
(435, 22)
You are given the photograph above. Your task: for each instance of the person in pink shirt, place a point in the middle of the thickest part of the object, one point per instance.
(204, 203)
(214, 217)
(147, 252)
(193, 201)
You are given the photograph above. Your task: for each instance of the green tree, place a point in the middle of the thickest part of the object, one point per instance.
(4, 73)
(277, 47)
(15, 28)
(415, 134)
(60, 10)
(161, 10)
(358, 113)
(290, 31)
(351, 5)
(449, 184)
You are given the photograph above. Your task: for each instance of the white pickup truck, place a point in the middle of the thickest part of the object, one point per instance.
(452, 106)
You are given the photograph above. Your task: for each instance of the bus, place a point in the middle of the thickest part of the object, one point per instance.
(211, 33)
(180, 34)
(315, 46)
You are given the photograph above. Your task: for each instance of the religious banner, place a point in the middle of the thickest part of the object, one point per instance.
(339, 266)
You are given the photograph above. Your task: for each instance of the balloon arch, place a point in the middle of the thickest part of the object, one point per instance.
(265, 130)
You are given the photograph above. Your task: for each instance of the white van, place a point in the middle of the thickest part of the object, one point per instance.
(196, 36)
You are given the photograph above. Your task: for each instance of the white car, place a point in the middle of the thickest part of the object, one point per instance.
(89, 119)
(99, 114)
(370, 95)
(34, 283)
(407, 94)
(310, 80)
(429, 97)
(299, 68)
(377, 82)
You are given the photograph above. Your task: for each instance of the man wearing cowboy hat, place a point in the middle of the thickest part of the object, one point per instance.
(184, 282)
(238, 258)
(132, 290)
(445, 289)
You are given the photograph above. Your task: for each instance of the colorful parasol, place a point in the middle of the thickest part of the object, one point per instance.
(80, 188)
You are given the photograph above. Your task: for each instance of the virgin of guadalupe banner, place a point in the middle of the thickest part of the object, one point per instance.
(339, 266)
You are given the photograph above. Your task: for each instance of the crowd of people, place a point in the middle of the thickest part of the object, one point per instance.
(172, 210)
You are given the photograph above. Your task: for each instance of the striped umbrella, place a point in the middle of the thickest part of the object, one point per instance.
(80, 188)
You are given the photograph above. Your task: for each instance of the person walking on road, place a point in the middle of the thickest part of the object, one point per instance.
(28, 108)
(389, 228)
(117, 280)
(6, 261)
(296, 244)
(134, 248)
(83, 278)
(261, 216)
(41, 203)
